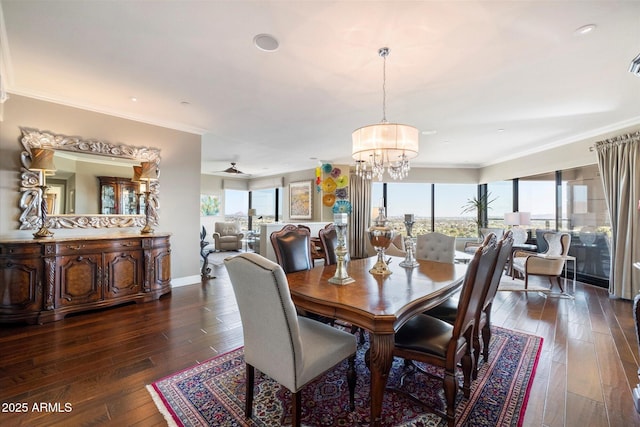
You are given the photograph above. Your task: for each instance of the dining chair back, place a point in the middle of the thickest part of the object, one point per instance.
(436, 246)
(329, 241)
(290, 349)
(292, 247)
(430, 340)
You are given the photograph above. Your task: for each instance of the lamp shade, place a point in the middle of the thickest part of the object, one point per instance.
(517, 218)
(137, 172)
(149, 171)
(389, 141)
(252, 212)
(42, 160)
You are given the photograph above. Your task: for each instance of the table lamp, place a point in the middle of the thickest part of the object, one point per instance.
(42, 162)
(515, 219)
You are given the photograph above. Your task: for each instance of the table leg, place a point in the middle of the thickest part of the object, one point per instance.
(380, 360)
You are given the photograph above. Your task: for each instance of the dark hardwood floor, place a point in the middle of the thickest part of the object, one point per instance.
(95, 365)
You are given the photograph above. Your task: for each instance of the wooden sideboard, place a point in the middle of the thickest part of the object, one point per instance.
(43, 280)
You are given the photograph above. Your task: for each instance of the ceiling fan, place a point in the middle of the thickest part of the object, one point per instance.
(233, 169)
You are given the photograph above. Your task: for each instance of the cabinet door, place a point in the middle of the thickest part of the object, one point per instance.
(79, 279)
(129, 199)
(160, 268)
(108, 199)
(123, 273)
(19, 290)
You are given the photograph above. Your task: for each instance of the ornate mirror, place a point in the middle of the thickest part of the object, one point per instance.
(81, 191)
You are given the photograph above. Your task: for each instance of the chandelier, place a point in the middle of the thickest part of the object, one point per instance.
(384, 145)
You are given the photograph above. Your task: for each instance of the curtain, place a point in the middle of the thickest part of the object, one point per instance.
(360, 194)
(618, 161)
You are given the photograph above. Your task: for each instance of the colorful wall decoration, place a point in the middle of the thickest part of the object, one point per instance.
(334, 186)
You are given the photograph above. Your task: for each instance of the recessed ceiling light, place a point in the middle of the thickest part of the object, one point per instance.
(266, 42)
(500, 130)
(585, 29)
(429, 132)
(185, 103)
(134, 99)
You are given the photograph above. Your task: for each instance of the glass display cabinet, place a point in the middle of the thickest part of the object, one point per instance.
(119, 196)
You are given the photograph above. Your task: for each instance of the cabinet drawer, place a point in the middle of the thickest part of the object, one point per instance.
(8, 249)
(96, 246)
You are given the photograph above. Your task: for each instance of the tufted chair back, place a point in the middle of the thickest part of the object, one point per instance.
(436, 247)
(292, 246)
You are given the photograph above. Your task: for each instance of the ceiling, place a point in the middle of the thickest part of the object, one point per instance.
(483, 81)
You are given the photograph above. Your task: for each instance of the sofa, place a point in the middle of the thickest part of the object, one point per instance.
(227, 236)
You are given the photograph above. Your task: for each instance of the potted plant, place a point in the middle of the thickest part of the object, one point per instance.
(481, 206)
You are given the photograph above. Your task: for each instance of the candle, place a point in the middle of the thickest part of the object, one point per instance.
(408, 217)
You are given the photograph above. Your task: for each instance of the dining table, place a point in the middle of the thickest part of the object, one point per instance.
(379, 304)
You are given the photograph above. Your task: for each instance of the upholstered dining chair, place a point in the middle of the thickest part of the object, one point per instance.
(292, 246)
(430, 340)
(290, 349)
(549, 263)
(448, 311)
(329, 241)
(436, 247)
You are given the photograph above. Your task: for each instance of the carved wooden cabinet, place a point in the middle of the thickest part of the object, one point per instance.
(118, 196)
(42, 281)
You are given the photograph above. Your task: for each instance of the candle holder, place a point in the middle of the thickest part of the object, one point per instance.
(409, 245)
(380, 236)
(341, 276)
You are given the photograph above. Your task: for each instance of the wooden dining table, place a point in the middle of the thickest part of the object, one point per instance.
(378, 304)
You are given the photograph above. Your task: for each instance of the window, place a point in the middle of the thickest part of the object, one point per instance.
(264, 202)
(537, 195)
(409, 198)
(236, 205)
(450, 200)
(502, 192)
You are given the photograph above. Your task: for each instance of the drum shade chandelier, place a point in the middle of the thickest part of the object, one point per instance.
(384, 145)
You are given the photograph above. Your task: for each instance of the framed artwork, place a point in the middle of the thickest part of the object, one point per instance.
(300, 197)
(209, 205)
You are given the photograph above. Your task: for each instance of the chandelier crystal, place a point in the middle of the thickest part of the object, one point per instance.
(384, 146)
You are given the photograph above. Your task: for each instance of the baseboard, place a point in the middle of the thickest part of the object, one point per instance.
(184, 281)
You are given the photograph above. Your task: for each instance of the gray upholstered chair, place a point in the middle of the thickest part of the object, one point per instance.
(290, 349)
(549, 263)
(227, 236)
(436, 247)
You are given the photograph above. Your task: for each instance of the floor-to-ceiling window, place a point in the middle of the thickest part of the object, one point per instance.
(500, 195)
(537, 195)
(409, 198)
(584, 214)
(450, 202)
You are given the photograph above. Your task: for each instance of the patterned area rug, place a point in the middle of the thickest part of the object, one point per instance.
(212, 393)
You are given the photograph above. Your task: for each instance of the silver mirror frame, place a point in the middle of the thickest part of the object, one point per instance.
(29, 181)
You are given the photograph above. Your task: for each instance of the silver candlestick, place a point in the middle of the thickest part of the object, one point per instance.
(409, 245)
(341, 276)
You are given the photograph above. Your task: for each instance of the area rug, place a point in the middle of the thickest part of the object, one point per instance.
(212, 393)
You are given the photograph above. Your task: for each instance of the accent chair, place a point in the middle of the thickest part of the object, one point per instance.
(227, 236)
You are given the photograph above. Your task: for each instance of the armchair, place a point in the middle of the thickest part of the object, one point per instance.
(471, 247)
(549, 263)
(227, 236)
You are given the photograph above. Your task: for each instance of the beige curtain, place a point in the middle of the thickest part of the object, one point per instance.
(360, 195)
(618, 161)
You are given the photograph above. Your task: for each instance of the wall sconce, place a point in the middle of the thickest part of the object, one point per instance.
(148, 173)
(42, 162)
